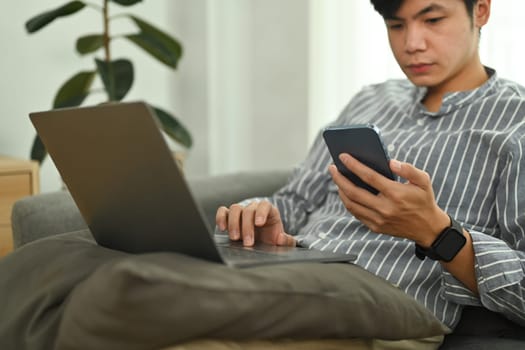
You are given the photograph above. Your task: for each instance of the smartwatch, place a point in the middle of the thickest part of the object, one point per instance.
(446, 246)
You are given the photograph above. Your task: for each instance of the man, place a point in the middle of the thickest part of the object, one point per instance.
(456, 132)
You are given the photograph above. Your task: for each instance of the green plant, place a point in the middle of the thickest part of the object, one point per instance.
(116, 75)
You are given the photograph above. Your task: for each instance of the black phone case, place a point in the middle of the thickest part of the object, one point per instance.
(364, 143)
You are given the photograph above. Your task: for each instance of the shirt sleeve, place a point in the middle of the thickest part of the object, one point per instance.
(500, 258)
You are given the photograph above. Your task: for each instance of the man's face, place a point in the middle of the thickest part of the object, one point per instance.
(435, 42)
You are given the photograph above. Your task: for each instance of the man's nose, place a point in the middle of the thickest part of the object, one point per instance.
(414, 40)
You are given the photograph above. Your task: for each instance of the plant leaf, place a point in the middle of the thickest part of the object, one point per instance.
(173, 128)
(38, 150)
(39, 21)
(89, 43)
(117, 77)
(73, 92)
(126, 2)
(157, 43)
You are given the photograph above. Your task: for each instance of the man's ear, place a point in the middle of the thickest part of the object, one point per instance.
(481, 13)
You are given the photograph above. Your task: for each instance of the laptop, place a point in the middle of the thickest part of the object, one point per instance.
(121, 174)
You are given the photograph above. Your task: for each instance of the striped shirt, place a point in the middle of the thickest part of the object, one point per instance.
(474, 150)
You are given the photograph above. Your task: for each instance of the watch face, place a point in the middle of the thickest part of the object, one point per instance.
(450, 244)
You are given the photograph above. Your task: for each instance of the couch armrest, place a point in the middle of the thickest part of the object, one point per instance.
(48, 214)
(43, 215)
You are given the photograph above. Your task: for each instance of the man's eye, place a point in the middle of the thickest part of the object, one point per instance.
(434, 20)
(395, 26)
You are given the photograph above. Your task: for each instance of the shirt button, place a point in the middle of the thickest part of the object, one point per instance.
(420, 122)
(391, 147)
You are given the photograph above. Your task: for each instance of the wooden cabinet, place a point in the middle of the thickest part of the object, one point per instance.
(18, 178)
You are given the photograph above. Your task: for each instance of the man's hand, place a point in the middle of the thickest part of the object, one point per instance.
(259, 221)
(406, 210)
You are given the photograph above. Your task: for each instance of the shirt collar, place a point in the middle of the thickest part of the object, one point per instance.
(454, 100)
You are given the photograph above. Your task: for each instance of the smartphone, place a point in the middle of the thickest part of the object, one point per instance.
(362, 142)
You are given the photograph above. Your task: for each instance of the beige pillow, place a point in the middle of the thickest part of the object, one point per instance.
(431, 343)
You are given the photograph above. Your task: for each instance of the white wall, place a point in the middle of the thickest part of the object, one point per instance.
(501, 44)
(349, 49)
(241, 87)
(34, 67)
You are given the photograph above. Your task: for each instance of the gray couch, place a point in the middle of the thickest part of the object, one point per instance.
(53, 213)
(37, 217)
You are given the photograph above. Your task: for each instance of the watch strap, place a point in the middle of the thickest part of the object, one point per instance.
(422, 253)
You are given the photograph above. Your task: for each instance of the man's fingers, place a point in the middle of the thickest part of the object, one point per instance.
(409, 172)
(262, 212)
(248, 218)
(366, 174)
(234, 221)
(259, 220)
(349, 191)
(285, 239)
(221, 218)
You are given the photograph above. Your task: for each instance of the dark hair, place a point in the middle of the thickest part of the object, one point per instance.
(388, 8)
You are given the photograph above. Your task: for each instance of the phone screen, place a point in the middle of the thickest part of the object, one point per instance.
(364, 143)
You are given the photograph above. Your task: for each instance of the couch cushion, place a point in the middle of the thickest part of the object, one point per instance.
(66, 292)
(155, 300)
(35, 281)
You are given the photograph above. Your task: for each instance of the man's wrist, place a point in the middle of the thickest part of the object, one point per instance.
(446, 246)
(440, 222)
